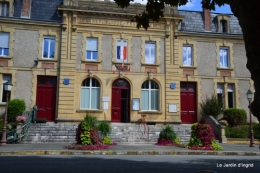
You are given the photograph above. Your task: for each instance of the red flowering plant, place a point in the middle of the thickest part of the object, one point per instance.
(202, 138)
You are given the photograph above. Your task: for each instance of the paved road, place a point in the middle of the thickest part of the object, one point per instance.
(128, 164)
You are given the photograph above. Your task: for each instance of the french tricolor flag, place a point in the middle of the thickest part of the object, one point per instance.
(122, 52)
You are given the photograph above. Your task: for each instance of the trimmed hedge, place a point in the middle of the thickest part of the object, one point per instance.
(235, 116)
(16, 107)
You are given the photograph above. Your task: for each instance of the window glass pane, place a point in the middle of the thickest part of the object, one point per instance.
(92, 44)
(42, 80)
(145, 85)
(150, 53)
(154, 100)
(230, 99)
(88, 54)
(154, 85)
(145, 100)
(183, 86)
(52, 81)
(223, 55)
(85, 98)
(5, 51)
(86, 82)
(220, 88)
(94, 55)
(187, 56)
(95, 96)
(52, 48)
(45, 48)
(4, 40)
(191, 86)
(95, 83)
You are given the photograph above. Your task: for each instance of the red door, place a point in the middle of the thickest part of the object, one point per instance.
(188, 102)
(46, 97)
(120, 101)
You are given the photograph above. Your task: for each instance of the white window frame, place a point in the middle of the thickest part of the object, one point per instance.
(4, 8)
(150, 52)
(90, 87)
(4, 43)
(49, 38)
(5, 78)
(120, 53)
(149, 97)
(92, 47)
(186, 60)
(222, 57)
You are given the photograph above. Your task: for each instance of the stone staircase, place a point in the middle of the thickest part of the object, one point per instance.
(121, 133)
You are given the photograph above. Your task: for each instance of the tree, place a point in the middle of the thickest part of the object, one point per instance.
(249, 20)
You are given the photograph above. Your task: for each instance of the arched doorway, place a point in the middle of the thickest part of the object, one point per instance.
(120, 111)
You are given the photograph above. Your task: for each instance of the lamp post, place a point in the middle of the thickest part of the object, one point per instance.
(249, 97)
(8, 87)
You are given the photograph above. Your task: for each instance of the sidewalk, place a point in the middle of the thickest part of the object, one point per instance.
(125, 149)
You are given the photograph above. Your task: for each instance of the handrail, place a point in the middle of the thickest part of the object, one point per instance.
(17, 135)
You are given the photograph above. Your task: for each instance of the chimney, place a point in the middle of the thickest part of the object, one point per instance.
(207, 19)
(26, 9)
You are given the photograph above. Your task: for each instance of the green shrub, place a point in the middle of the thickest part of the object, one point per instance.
(211, 106)
(15, 108)
(107, 141)
(235, 116)
(104, 128)
(92, 121)
(242, 131)
(167, 133)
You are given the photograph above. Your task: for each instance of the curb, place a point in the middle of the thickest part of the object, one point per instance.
(79, 152)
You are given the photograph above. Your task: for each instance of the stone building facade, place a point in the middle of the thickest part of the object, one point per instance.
(72, 57)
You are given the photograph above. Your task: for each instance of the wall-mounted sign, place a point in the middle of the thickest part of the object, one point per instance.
(172, 107)
(66, 81)
(105, 105)
(136, 104)
(105, 98)
(173, 85)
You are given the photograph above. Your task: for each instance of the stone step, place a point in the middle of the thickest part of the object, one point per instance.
(121, 133)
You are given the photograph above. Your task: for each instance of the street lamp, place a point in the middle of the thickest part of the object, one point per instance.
(249, 95)
(8, 87)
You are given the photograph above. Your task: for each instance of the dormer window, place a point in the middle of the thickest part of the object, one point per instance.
(4, 9)
(223, 26)
(223, 21)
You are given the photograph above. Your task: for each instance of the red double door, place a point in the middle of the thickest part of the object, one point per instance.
(120, 111)
(46, 97)
(188, 103)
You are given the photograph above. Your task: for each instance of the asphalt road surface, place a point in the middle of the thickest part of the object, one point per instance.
(128, 164)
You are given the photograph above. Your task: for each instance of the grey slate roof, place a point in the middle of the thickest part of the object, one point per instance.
(40, 10)
(193, 22)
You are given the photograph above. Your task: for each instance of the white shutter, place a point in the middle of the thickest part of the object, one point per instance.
(4, 40)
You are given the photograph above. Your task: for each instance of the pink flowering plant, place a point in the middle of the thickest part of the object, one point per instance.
(21, 118)
(202, 138)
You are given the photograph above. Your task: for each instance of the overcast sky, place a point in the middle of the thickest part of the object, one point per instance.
(195, 5)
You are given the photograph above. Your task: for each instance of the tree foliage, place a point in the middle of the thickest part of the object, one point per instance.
(154, 9)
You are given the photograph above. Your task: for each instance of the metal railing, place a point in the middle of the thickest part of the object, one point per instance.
(17, 135)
